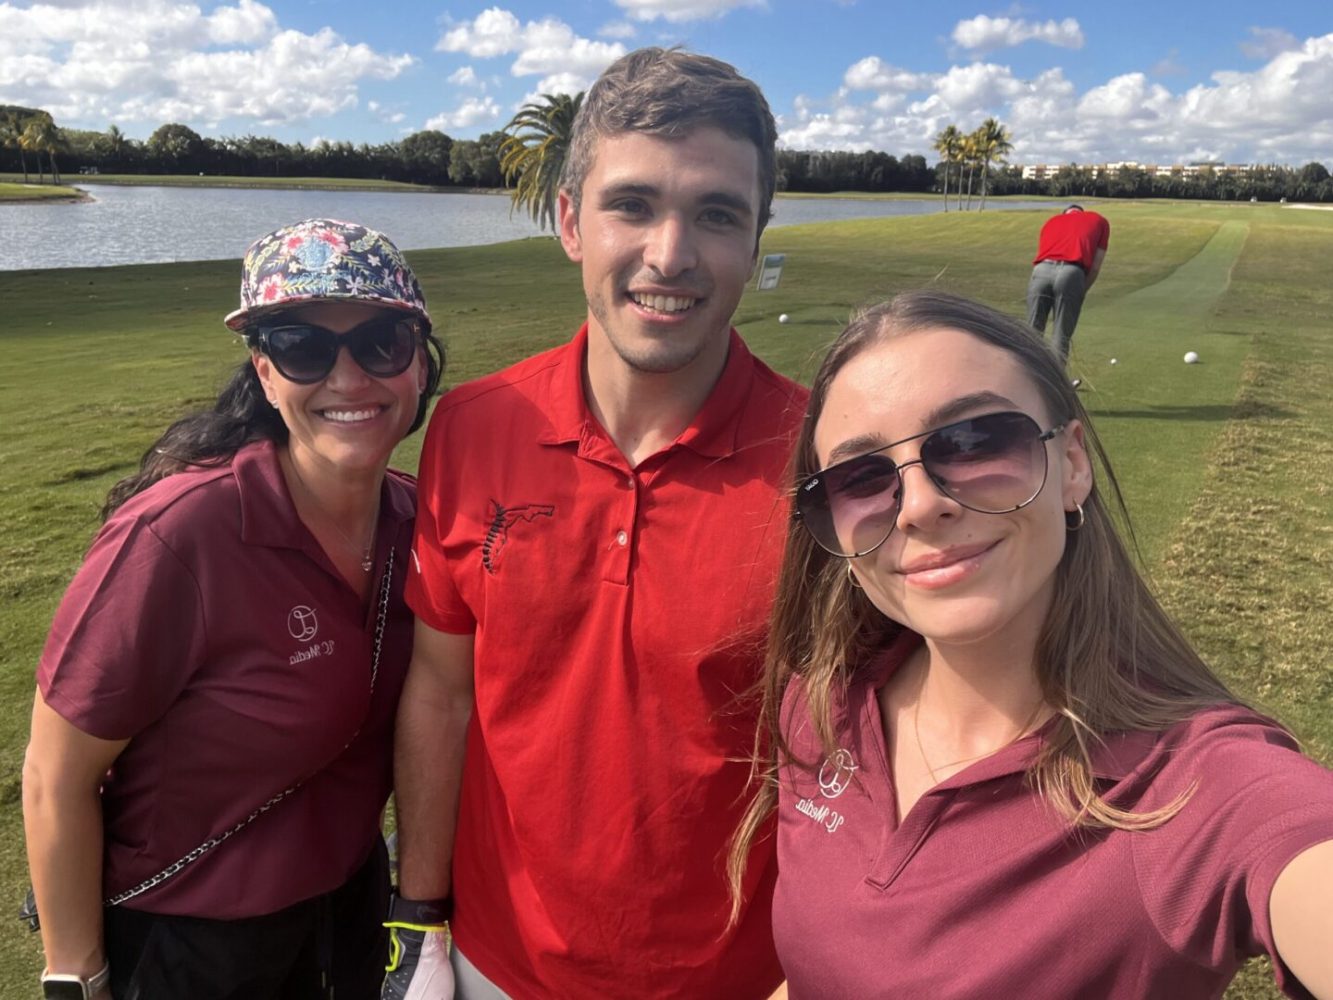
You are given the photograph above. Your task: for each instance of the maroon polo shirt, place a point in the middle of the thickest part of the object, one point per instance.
(983, 891)
(208, 628)
(1073, 236)
(618, 613)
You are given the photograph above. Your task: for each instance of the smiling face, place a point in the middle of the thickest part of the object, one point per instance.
(665, 234)
(954, 575)
(350, 421)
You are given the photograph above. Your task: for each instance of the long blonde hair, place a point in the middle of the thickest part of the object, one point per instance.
(1108, 658)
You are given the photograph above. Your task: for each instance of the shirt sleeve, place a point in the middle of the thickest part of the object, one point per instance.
(1207, 874)
(127, 636)
(431, 592)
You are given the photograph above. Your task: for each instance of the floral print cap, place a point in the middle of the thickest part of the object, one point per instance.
(324, 260)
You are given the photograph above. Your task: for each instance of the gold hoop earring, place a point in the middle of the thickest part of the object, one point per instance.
(1078, 518)
(851, 577)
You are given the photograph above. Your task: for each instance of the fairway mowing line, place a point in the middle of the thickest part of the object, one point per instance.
(1196, 285)
(1189, 296)
(1152, 406)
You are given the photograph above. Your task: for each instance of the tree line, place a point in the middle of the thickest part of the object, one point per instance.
(527, 153)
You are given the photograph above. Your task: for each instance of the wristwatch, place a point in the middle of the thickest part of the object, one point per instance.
(60, 986)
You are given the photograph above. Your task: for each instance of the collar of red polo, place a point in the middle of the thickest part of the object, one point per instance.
(713, 432)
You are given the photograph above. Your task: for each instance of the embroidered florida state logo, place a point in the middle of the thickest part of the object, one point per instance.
(502, 520)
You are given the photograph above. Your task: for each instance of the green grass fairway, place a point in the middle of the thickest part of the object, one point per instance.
(1226, 464)
(18, 191)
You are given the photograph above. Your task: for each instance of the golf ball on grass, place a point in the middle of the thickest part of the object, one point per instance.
(784, 318)
(1191, 358)
(1114, 361)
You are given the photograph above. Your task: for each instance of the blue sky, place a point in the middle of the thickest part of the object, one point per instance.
(1159, 82)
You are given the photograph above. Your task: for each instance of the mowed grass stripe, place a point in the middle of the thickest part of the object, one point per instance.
(1148, 330)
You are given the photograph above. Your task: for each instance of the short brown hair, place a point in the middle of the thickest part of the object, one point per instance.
(670, 93)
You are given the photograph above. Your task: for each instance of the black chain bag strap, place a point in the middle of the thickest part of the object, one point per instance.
(28, 911)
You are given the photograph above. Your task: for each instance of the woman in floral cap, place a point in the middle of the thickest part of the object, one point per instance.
(212, 733)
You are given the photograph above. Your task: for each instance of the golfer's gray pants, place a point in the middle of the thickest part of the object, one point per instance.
(469, 983)
(1056, 286)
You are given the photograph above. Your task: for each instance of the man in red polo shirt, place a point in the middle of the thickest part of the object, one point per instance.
(599, 532)
(1069, 256)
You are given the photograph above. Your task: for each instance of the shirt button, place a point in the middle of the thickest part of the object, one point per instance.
(622, 538)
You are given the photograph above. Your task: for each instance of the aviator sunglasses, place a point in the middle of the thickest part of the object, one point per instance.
(305, 353)
(993, 464)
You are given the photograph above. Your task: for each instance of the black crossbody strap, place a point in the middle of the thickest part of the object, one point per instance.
(381, 616)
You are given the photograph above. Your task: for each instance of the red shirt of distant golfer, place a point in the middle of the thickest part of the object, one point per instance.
(1069, 256)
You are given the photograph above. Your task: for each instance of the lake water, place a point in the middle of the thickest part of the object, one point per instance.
(149, 225)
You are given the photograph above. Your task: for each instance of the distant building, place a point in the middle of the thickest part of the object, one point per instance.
(1045, 171)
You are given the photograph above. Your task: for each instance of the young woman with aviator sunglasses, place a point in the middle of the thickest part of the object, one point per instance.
(212, 735)
(998, 768)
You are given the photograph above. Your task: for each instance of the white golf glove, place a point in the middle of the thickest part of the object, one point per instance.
(418, 966)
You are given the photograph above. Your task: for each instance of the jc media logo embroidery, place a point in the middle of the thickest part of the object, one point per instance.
(835, 774)
(303, 626)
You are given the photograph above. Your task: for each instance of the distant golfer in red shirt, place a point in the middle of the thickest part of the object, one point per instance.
(1069, 255)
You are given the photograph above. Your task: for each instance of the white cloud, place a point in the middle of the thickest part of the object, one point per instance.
(978, 87)
(246, 23)
(552, 47)
(1125, 99)
(384, 114)
(679, 11)
(872, 73)
(1169, 65)
(987, 33)
(464, 76)
(1279, 112)
(1269, 42)
(473, 111)
(618, 29)
(494, 32)
(153, 61)
(292, 78)
(558, 83)
(544, 48)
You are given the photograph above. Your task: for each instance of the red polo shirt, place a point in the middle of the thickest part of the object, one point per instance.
(1073, 236)
(618, 613)
(208, 627)
(983, 891)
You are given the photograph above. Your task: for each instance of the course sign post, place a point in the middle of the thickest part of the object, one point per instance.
(770, 271)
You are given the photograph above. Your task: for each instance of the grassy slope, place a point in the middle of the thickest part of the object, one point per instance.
(18, 191)
(1225, 464)
(221, 180)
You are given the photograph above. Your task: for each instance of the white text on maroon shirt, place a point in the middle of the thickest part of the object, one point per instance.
(830, 819)
(315, 649)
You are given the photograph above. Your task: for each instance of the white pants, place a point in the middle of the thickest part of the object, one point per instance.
(469, 984)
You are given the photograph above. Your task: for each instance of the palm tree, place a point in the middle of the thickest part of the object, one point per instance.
(42, 136)
(947, 144)
(994, 143)
(969, 153)
(114, 144)
(533, 152)
(11, 134)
